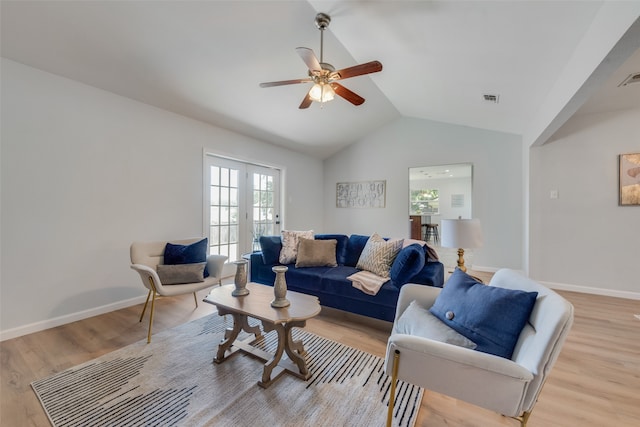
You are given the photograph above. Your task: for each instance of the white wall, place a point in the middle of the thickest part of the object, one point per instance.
(391, 151)
(583, 238)
(86, 172)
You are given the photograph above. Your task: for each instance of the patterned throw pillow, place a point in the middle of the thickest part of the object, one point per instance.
(289, 251)
(378, 255)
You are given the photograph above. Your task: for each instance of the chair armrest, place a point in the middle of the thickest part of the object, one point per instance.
(436, 350)
(215, 263)
(423, 294)
(145, 272)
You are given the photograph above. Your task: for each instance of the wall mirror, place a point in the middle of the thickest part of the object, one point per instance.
(438, 192)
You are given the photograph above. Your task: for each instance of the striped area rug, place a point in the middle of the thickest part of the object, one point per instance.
(173, 382)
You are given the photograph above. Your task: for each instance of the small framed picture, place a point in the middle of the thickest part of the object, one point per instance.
(629, 179)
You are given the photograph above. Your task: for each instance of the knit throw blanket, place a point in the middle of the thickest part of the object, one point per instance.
(367, 282)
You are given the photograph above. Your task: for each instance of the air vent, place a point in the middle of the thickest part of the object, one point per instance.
(491, 98)
(632, 78)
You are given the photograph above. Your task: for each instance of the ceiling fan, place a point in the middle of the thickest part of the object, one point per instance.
(324, 75)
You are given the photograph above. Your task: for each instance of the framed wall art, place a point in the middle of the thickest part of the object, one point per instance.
(365, 194)
(629, 179)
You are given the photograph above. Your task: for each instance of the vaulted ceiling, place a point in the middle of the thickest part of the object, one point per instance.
(205, 60)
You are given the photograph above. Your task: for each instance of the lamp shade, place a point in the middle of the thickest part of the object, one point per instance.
(461, 233)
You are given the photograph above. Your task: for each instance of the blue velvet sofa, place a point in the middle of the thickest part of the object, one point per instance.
(330, 284)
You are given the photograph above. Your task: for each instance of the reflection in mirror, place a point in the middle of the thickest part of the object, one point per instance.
(436, 193)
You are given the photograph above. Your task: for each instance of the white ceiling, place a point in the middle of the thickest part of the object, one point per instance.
(205, 59)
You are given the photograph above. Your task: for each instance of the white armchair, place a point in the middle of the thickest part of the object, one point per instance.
(145, 258)
(509, 387)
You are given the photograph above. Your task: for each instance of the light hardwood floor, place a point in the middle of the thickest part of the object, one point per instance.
(595, 383)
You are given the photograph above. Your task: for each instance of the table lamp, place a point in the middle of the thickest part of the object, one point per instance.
(461, 233)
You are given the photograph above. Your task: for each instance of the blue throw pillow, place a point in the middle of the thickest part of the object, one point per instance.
(355, 246)
(490, 316)
(187, 254)
(271, 247)
(408, 263)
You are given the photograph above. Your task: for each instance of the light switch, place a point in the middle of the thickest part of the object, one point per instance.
(553, 194)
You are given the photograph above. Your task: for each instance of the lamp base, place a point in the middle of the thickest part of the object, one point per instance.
(461, 260)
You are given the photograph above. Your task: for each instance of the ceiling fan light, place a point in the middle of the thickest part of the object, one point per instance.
(322, 92)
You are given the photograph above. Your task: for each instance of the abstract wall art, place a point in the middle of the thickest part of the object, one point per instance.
(365, 194)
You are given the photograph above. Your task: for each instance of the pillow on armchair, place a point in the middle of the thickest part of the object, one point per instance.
(490, 316)
(181, 273)
(187, 254)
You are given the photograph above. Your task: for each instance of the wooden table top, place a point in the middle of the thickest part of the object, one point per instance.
(257, 303)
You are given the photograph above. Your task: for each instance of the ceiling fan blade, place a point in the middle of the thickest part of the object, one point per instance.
(309, 58)
(285, 82)
(350, 96)
(359, 70)
(306, 102)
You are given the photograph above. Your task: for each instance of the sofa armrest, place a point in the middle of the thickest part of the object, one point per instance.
(432, 274)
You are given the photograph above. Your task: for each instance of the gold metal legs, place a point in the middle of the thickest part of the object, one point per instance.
(523, 418)
(152, 294)
(394, 379)
(145, 306)
(195, 298)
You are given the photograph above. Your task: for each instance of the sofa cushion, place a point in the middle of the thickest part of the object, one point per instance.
(181, 273)
(417, 320)
(271, 247)
(491, 317)
(289, 251)
(355, 246)
(316, 253)
(378, 255)
(306, 279)
(341, 246)
(187, 254)
(409, 262)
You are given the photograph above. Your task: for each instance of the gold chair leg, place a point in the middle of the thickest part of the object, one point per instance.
(153, 302)
(394, 379)
(145, 306)
(524, 418)
(195, 298)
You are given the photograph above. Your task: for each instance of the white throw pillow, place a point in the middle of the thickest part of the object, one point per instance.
(418, 321)
(289, 251)
(378, 255)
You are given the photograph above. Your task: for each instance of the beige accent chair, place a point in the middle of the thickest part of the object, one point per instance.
(509, 387)
(146, 256)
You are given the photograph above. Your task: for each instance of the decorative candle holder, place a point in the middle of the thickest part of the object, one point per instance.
(280, 287)
(240, 279)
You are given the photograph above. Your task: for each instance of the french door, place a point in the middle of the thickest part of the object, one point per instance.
(242, 203)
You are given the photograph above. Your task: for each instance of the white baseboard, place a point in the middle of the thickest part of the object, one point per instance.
(574, 288)
(62, 320)
(595, 291)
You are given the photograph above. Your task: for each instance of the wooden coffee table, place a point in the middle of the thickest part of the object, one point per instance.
(257, 304)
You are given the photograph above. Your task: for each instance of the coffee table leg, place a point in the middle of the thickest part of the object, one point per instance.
(273, 362)
(295, 349)
(240, 323)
